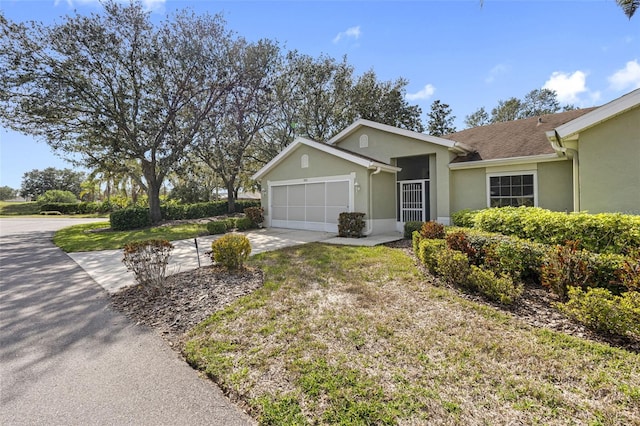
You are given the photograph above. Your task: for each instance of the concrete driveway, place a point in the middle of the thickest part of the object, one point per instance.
(66, 358)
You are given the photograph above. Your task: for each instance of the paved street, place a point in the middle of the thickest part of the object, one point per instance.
(67, 358)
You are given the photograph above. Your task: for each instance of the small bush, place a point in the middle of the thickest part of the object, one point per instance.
(130, 218)
(500, 289)
(427, 252)
(520, 259)
(565, 267)
(216, 227)
(452, 266)
(351, 224)
(243, 223)
(464, 218)
(458, 241)
(415, 241)
(230, 223)
(256, 214)
(148, 260)
(601, 310)
(57, 196)
(231, 251)
(629, 272)
(433, 230)
(411, 226)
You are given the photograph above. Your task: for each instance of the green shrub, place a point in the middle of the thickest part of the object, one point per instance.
(351, 224)
(564, 267)
(148, 260)
(452, 266)
(57, 196)
(130, 218)
(230, 223)
(216, 227)
(256, 214)
(600, 233)
(243, 223)
(629, 272)
(427, 251)
(601, 310)
(520, 259)
(458, 241)
(432, 230)
(415, 241)
(231, 250)
(411, 226)
(464, 218)
(499, 288)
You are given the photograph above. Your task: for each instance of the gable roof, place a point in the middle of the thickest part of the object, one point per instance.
(605, 112)
(452, 145)
(513, 139)
(332, 150)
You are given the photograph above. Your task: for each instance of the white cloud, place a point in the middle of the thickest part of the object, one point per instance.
(426, 92)
(496, 71)
(353, 32)
(567, 86)
(627, 77)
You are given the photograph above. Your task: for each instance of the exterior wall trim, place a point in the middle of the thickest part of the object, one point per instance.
(506, 161)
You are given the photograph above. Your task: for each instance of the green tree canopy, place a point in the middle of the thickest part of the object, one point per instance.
(37, 182)
(113, 87)
(440, 119)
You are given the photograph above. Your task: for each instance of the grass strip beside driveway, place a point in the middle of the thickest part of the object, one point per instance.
(84, 238)
(356, 335)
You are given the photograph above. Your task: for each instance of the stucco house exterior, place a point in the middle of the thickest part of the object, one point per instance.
(587, 159)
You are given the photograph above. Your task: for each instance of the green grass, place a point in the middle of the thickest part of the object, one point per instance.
(78, 238)
(353, 335)
(10, 208)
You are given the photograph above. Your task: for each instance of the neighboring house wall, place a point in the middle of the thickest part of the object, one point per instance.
(384, 147)
(609, 156)
(555, 186)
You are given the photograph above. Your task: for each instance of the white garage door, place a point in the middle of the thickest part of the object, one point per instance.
(314, 206)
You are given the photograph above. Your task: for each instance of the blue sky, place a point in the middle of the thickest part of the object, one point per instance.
(466, 55)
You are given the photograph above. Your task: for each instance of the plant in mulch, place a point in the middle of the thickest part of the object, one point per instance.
(256, 214)
(231, 251)
(148, 260)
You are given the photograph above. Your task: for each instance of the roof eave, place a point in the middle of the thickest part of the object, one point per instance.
(541, 158)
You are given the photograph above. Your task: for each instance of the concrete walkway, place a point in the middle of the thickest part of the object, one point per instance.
(107, 269)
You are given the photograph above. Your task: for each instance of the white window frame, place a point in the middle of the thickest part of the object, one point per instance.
(534, 173)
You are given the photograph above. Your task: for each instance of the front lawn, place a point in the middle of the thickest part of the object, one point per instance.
(81, 238)
(358, 335)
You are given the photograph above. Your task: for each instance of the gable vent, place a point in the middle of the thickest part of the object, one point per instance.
(364, 141)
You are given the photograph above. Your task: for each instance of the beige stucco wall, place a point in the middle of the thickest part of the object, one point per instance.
(555, 185)
(468, 189)
(383, 146)
(554, 182)
(610, 165)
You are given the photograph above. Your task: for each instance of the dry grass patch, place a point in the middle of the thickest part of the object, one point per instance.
(358, 336)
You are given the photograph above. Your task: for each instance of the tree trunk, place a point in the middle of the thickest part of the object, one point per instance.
(154, 202)
(231, 199)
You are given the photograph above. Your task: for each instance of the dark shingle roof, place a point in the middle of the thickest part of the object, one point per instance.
(519, 138)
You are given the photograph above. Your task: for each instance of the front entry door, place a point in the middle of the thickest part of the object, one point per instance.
(414, 200)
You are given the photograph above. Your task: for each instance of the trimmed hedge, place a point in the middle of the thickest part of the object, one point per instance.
(411, 226)
(200, 210)
(216, 227)
(600, 233)
(130, 218)
(79, 208)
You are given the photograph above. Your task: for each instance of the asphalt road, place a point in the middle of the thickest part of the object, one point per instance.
(66, 358)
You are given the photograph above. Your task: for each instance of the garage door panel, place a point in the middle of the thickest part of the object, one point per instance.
(313, 206)
(315, 193)
(338, 194)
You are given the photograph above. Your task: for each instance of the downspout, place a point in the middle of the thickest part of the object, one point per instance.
(370, 195)
(573, 154)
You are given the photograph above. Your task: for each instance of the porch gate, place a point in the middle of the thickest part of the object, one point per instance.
(413, 200)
